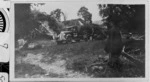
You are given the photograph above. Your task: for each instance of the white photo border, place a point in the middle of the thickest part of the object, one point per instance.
(12, 50)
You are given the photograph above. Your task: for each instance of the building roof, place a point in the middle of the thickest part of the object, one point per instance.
(73, 22)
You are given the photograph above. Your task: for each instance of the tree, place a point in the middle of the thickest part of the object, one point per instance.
(27, 21)
(127, 17)
(85, 14)
(51, 22)
(24, 22)
(57, 14)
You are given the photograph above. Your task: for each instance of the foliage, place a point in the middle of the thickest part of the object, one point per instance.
(24, 22)
(128, 17)
(52, 23)
(57, 14)
(85, 14)
(27, 20)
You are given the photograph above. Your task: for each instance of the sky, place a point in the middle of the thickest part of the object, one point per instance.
(71, 8)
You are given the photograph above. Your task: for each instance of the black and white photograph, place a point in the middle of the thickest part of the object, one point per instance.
(79, 40)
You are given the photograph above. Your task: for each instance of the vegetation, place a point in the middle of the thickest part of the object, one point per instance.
(72, 60)
(128, 17)
(85, 14)
(84, 57)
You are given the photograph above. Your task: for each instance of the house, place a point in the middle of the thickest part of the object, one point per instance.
(73, 22)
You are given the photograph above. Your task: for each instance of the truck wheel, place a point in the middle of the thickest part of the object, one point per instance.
(59, 42)
(77, 40)
(69, 39)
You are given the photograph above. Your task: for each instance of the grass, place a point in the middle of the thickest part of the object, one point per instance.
(28, 70)
(68, 61)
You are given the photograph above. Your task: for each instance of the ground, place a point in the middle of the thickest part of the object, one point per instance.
(69, 61)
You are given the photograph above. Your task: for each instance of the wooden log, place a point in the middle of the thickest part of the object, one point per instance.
(132, 59)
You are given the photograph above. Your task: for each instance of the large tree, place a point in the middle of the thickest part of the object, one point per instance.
(85, 14)
(127, 17)
(27, 21)
(57, 14)
(24, 22)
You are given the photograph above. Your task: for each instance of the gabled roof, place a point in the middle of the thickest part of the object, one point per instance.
(74, 22)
